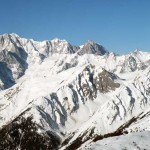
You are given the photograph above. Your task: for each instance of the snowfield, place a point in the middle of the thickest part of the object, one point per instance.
(134, 141)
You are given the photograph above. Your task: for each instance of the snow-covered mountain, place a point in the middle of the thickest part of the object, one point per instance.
(54, 95)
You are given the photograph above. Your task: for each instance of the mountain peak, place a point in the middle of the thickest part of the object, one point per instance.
(90, 47)
(90, 42)
(137, 51)
(57, 40)
(6, 35)
(14, 34)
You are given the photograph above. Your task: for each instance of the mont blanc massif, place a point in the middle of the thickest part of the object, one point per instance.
(56, 96)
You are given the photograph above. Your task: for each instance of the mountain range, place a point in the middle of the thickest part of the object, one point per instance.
(54, 95)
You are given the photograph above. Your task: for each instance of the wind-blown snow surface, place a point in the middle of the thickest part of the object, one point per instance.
(79, 93)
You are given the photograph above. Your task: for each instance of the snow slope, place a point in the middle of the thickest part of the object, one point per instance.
(136, 141)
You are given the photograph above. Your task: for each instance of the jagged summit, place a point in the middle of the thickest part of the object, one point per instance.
(90, 47)
(16, 53)
(137, 50)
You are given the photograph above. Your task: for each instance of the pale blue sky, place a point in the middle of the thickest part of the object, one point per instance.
(119, 25)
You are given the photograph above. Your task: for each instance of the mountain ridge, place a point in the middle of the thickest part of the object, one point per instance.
(72, 93)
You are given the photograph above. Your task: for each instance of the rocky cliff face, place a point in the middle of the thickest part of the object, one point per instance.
(91, 47)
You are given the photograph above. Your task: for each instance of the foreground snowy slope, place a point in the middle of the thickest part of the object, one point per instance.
(136, 141)
(70, 94)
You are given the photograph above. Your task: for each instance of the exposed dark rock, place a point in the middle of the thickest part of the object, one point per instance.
(74, 98)
(79, 140)
(65, 65)
(105, 82)
(9, 60)
(14, 57)
(63, 112)
(64, 47)
(129, 65)
(92, 48)
(6, 76)
(22, 133)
